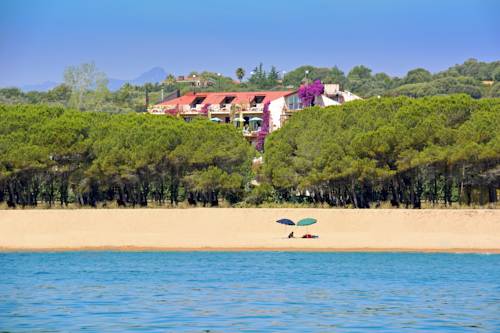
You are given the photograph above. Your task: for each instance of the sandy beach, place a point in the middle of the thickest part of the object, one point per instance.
(250, 229)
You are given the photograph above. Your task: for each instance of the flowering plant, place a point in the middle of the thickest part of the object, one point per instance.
(172, 112)
(308, 92)
(204, 109)
(264, 130)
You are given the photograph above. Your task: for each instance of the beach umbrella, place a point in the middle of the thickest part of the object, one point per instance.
(255, 119)
(217, 120)
(286, 222)
(307, 221)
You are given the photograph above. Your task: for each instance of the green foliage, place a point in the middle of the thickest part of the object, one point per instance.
(327, 75)
(476, 79)
(359, 73)
(439, 149)
(476, 69)
(83, 78)
(260, 79)
(260, 194)
(418, 75)
(240, 73)
(466, 78)
(442, 86)
(495, 90)
(398, 149)
(54, 155)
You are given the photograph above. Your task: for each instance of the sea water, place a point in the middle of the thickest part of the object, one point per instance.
(248, 291)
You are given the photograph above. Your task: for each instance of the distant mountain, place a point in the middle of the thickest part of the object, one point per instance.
(45, 86)
(155, 74)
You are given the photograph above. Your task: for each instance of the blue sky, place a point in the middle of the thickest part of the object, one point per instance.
(39, 38)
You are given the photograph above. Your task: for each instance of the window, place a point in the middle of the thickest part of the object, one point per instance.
(227, 100)
(259, 99)
(294, 102)
(198, 100)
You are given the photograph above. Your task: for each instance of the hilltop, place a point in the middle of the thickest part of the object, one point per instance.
(474, 78)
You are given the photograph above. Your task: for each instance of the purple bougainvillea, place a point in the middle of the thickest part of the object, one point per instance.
(308, 92)
(172, 112)
(264, 130)
(204, 109)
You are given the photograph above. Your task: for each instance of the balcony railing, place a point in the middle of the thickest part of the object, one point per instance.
(215, 108)
(239, 108)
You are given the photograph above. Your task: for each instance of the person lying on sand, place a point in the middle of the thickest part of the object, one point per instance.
(310, 236)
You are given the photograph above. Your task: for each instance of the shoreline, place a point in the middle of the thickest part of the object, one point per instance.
(245, 249)
(250, 229)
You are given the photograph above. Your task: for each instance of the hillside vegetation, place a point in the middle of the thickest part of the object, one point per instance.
(474, 78)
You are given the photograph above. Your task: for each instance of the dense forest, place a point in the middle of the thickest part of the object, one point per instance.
(474, 78)
(57, 156)
(439, 150)
(400, 150)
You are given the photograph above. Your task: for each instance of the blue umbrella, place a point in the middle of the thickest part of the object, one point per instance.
(286, 222)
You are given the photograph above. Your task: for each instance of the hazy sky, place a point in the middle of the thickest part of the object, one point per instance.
(125, 38)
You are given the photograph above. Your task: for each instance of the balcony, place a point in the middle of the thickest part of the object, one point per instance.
(250, 134)
(220, 109)
(226, 108)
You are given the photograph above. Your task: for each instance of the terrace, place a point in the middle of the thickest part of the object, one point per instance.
(219, 103)
(245, 110)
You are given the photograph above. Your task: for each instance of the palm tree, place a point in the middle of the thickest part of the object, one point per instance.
(169, 80)
(240, 73)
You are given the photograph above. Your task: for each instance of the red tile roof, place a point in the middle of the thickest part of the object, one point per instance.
(214, 98)
(186, 99)
(218, 97)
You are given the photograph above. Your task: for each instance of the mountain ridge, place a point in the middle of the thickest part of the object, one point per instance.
(153, 75)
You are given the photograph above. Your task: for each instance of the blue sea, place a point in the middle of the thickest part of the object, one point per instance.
(248, 292)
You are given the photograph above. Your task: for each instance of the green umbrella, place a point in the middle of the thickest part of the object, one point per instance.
(306, 221)
(239, 119)
(255, 119)
(215, 119)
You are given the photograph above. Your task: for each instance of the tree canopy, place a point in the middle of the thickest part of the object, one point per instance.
(85, 89)
(402, 150)
(439, 150)
(54, 155)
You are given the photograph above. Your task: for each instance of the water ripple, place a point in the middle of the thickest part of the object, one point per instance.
(250, 292)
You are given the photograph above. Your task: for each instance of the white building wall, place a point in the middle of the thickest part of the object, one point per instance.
(331, 88)
(323, 101)
(348, 96)
(275, 111)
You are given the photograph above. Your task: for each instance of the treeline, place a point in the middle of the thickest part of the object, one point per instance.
(474, 78)
(55, 156)
(440, 150)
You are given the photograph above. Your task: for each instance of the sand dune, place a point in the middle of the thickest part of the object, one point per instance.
(250, 229)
